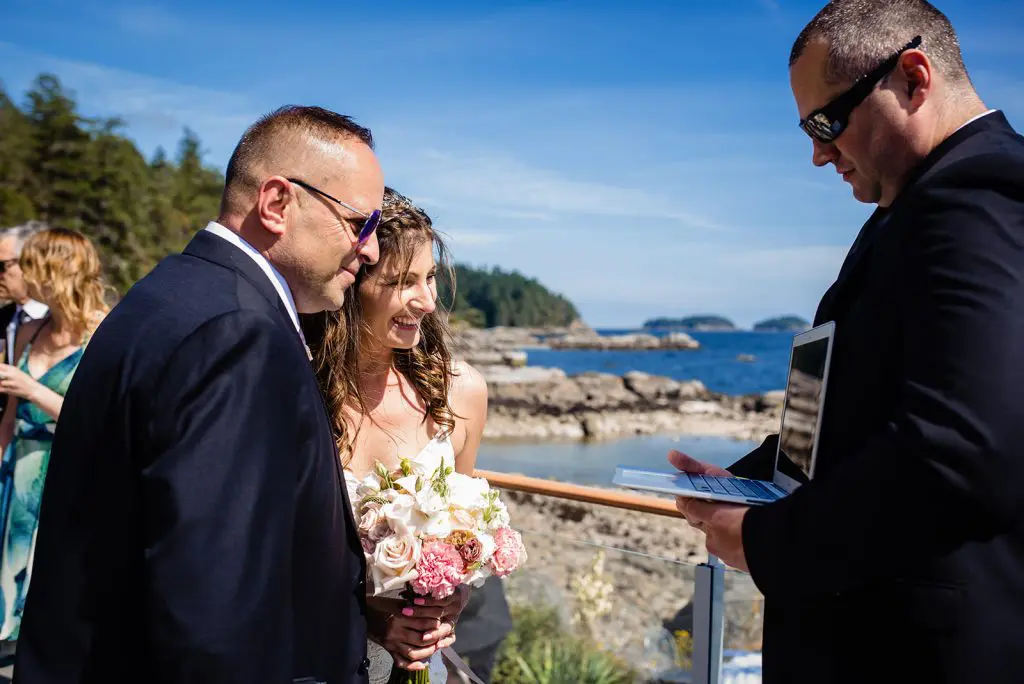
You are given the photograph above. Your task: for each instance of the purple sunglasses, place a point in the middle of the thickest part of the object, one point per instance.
(370, 222)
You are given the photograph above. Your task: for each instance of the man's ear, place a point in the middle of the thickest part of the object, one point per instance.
(276, 198)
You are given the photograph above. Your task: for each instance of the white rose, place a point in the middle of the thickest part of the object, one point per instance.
(438, 525)
(394, 562)
(468, 520)
(467, 492)
(372, 523)
(430, 502)
(402, 514)
(435, 510)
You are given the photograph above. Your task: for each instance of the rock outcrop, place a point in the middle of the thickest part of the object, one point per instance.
(602, 405)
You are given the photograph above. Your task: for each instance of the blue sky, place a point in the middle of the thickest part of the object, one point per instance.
(640, 158)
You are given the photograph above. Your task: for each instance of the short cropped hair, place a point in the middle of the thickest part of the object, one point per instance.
(258, 141)
(861, 34)
(22, 233)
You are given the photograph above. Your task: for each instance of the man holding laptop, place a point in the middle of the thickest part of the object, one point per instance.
(902, 559)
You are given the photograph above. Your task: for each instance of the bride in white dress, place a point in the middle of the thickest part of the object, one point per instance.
(394, 391)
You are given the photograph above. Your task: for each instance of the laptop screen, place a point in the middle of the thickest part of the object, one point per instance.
(803, 401)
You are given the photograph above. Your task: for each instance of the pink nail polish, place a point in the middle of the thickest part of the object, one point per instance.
(420, 602)
(407, 612)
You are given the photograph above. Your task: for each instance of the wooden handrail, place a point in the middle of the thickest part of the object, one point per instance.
(533, 485)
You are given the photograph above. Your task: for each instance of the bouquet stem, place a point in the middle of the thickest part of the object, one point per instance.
(400, 676)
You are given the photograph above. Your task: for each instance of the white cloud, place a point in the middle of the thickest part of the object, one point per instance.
(475, 238)
(495, 182)
(155, 109)
(810, 263)
(547, 181)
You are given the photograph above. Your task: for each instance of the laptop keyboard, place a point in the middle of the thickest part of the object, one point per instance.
(732, 485)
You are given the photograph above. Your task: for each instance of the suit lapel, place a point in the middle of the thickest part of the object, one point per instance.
(209, 247)
(833, 303)
(852, 268)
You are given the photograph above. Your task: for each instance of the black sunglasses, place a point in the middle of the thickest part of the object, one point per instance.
(370, 221)
(6, 263)
(826, 124)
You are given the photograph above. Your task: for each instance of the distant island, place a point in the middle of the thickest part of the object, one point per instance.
(782, 324)
(705, 322)
(485, 298)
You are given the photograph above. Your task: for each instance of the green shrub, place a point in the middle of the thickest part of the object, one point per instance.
(540, 650)
(570, 660)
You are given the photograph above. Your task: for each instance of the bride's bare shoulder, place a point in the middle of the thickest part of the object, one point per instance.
(469, 388)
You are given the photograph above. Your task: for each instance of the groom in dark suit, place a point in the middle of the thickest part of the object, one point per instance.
(195, 527)
(903, 559)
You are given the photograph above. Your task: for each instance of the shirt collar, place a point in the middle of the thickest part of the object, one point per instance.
(973, 119)
(34, 309)
(276, 279)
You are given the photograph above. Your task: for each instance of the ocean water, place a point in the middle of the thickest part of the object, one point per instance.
(715, 363)
(593, 463)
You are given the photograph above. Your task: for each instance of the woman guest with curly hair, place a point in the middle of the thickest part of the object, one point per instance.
(62, 270)
(393, 392)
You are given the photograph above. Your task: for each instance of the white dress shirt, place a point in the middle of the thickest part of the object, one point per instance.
(276, 279)
(29, 311)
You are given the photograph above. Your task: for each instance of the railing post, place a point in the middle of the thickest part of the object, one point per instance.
(708, 622)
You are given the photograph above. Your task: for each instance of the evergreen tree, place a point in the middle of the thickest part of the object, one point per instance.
(16, 184)
(85, 174)
(59, 154)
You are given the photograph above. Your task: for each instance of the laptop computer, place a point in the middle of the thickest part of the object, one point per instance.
(795, 455)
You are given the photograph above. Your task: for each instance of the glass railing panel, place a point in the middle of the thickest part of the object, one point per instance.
(605, 596)
(743, 623)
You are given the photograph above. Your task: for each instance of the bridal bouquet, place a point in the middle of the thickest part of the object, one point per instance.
(427, 529)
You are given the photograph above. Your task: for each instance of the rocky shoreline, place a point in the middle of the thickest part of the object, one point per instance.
(649, 562)
(542, 404)
(603, 406)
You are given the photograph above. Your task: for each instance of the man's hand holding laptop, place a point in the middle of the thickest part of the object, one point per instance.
(722, 523)
(710, 497)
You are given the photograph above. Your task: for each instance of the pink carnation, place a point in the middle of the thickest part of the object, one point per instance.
(509, 552)
(440, 570)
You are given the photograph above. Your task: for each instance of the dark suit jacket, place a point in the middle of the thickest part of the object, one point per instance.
(194, 525)
(7, 312)
(903, 560)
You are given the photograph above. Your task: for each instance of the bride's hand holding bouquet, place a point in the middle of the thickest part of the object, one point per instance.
(429, 533)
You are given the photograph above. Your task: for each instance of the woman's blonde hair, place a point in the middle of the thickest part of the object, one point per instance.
(62, 269)
(336, 335)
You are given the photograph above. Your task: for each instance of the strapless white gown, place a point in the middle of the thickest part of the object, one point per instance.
(381, 661)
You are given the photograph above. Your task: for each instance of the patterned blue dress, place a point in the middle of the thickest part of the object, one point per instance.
(21, 488)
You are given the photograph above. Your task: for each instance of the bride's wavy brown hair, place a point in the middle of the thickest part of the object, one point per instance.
(63, 270)
(336, 336)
